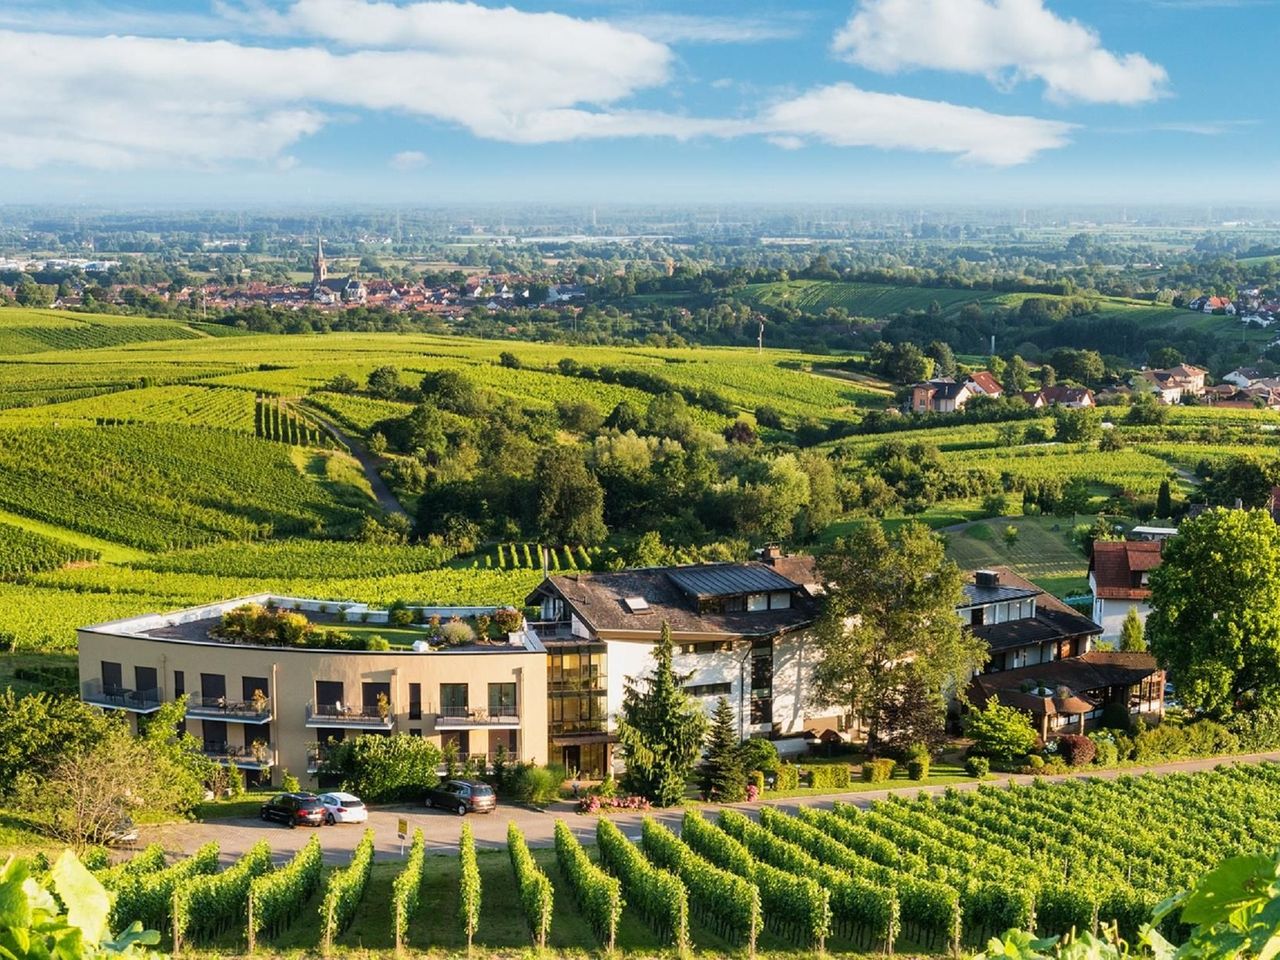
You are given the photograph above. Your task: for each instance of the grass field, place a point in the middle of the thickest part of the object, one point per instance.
(1043, 552)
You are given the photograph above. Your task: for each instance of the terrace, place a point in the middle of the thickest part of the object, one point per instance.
(259, 756)
(366, 717)
(113, 697)
(469, 718)
(256, 711)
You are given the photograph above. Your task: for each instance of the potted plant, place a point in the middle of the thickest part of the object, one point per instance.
(259, 701)
(260, 751)
(384, 706)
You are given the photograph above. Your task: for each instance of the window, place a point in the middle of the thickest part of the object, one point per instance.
(709, 689)
(780, 600)
(502, 699)
(112, 677)
(707, 646)
(145, 679)
(415, 701)
(453, 698)
(757, 601)
(179, 683)
(213, 686)
(372, 691)
(415, 731)
(252, 685)
(328, 692)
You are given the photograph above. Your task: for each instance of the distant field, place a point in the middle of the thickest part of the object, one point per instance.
(25, 331)
(860, 299)
(1043, 552)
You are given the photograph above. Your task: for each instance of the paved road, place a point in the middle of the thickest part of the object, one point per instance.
(386, 499)
(441, 829)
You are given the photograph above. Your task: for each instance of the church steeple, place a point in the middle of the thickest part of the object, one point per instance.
(319, 269)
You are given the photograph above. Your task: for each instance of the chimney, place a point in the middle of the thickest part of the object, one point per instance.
(770, 553)
(986, 578)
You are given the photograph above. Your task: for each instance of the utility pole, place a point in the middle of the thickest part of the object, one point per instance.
(760, 336)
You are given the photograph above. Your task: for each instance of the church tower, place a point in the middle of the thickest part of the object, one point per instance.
(319, 269)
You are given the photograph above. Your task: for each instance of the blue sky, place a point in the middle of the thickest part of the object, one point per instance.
(600, 101)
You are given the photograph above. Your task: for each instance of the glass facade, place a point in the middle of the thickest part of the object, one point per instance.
(577, 709)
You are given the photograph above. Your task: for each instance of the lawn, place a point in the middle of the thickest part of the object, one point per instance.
(1043, 552)
(396, 636)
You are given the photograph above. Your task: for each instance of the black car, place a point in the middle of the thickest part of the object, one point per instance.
(463, 796)
(294, 808)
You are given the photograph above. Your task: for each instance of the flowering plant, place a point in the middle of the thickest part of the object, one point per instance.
(599, 804)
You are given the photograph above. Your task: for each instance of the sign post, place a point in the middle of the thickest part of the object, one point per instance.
(402, 828)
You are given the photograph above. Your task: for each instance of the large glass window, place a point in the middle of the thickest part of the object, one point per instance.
(502, 699)
(415, 701)
(112, 677)
(453, 699)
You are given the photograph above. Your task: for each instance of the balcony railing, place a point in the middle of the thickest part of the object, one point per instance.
(368, 717)
(262, 757)
(460, 718)
(551, 629)
(220, 708)
(317, 756)
(120, 698)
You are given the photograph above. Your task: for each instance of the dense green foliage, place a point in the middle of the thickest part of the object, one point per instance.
(660, 897)
(206, 905)
(343, 891)
(406, 889)
(382, 769)
(597, 894)
(469, 893)
(277, 898)
(22, 551)
(536, 895)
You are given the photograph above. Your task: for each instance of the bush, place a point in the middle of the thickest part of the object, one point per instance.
(758, 753)
(1035, 763)
(508, 619)
(833, 776)
(1076, 750)
(381, 769)
(979, 767)
(399, 614)
(1105, 752)
(378, 643)
(788, 777)
(918, 769)
(594, 803)
(536, 786)
(999, 731)
(457, 633)
(288, 782)
(1257, 730)
(878, 770)
(755, 778)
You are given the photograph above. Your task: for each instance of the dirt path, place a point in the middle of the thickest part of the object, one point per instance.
(442, 829)
(368, 462)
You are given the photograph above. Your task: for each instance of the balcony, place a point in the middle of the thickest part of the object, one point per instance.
(471, 718)
(230, 711)
(260, 757)
(120, 698)
(368, 717)
(552, 629)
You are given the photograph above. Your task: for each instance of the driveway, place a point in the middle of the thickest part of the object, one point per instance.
(442, 829)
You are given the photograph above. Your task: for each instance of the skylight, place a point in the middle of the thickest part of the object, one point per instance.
(636, 604)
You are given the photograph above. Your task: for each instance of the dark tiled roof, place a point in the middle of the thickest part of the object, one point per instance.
(976, 596)
(599, 600)
(1088, 673)
(728, 579)
(1115, 563)
(1045, 626)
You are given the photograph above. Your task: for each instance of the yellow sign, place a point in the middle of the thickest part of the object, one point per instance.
(403, 828)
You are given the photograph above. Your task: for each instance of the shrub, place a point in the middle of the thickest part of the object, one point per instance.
(398, 767)
(378, 643)
(457, 633)
(594, 803)
(978, 767)
(1035, 763)
(536, 786)
(878, 770)
(788, 777)
(288, 782)
(833, 776)
(918, 769)
(999, 731)
(399, 615)
(758, 753)
(1076, 750)
(1105, 753)
(756, 779)
(508, 619)
(1257, 730)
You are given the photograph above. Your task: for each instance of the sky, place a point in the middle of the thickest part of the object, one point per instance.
(599, 101)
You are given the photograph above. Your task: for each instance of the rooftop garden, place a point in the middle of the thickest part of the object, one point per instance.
(273, 626)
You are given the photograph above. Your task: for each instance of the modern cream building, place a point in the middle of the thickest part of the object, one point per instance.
(264, 709)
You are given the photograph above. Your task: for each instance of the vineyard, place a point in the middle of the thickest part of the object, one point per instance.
(929, 874)
(36, 331)
(22, 552)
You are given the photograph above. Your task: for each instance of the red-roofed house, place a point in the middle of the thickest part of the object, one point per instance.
(983, 382)
(1118, 576)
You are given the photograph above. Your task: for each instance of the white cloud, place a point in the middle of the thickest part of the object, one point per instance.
(407, 160)
(1004, 40)
(845, 116)
(111, 102)
(695, 28)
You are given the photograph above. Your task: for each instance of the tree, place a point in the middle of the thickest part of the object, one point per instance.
(1010, 536)
(1018, 376)
(384, 382)
(1131, 633)
(914, 712)
(1164, 500)
(999, 731)
(624, 417)
(891, 612)
(1076, 426)
(342, 383)
(398, 767)
(661, 730)
(723, 779)
(1243, 478)
(1215, 610)
(36, 731)
(1164, 357)
(570, 500)
(944, 359)
(997, 367)
(1048, 376)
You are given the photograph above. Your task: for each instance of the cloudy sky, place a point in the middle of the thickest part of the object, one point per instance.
(639, 100)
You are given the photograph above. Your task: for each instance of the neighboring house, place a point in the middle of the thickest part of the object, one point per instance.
(1173, 384)
(947, 395)
(741, 630)
(1043, 661)
(1118, 577)
(1062, 395)
(1243, 376)
(261, 709)
(941, 395)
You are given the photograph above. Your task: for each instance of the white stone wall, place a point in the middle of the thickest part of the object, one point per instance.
(1110, 614)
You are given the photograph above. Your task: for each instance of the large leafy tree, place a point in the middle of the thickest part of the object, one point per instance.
(661, 730)
(890, 621)
(723, 779)
(570, 499)
(1215, 610)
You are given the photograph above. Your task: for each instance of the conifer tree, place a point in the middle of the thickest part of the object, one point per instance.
(1132, 638)
(661, 730)
(723, 779)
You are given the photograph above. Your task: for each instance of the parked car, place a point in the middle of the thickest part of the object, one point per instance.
(294, 808)
(463, 796)
(343, 808)
(123, 834)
